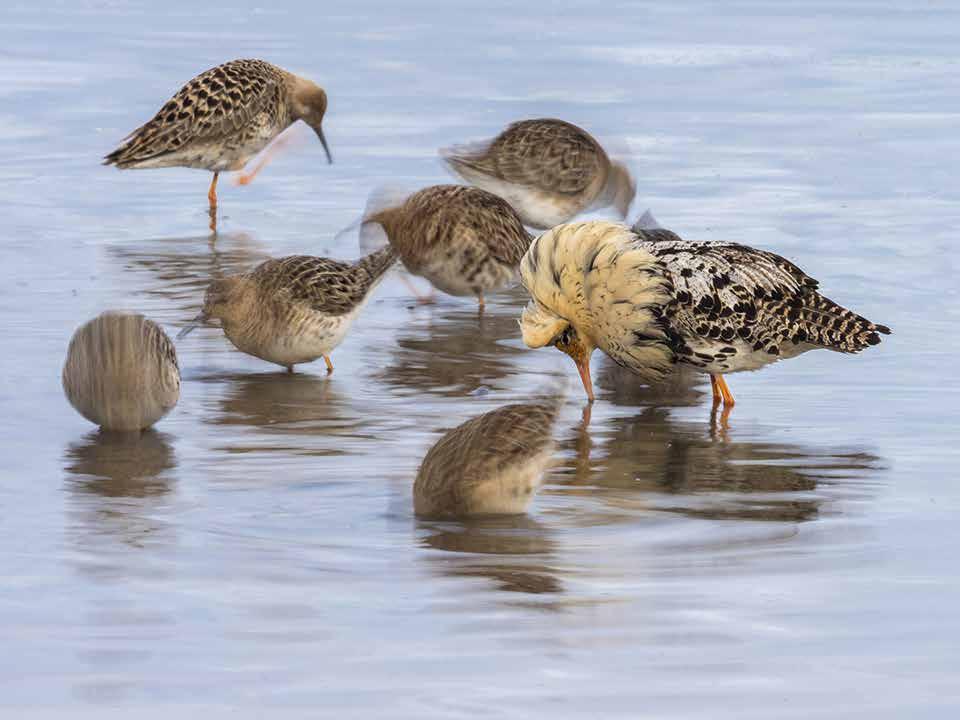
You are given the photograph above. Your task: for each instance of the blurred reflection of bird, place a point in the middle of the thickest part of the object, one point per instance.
(649, 300)
(490, 465)
(513, 551)
(222, 118)
(121, 372)
(684, 468)
(295, 309)
(549, 170)
(454, 353)
(122, 464)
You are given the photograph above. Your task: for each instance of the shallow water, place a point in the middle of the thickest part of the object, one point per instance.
(257, 551)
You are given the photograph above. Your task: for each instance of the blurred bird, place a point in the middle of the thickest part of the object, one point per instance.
(649, 299)
(464, 240)
(295, 309)
(490, 465)
(222, 118)
(121, 372)
(549, 170)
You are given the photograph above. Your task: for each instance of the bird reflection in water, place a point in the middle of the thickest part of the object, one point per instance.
(484, 473)
(699, 470)
(182, 268)
(305, 408)
(116, 479)
(455, 353)
(513, 551)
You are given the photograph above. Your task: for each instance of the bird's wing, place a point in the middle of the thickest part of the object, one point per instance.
(324, 285)
(212, 105)
(726, 291)
(549, 155)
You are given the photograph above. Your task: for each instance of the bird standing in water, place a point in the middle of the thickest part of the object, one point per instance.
(221, 119)
(549, 170)
(649, 299)
(490, 465)
(464, 240)
(295, 309)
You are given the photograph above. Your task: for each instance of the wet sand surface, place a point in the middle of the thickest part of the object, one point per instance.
(257, 551)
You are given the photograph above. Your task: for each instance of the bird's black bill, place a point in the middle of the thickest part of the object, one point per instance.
(323, 141)
(191, 326)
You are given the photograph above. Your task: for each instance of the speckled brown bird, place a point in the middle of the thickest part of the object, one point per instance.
(222, 118)
(490, 465)
(295, 309)
(649, 299)
(121, 372)
(464, 240)
(549, 170)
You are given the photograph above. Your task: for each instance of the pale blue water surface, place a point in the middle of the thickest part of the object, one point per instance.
(257, 555)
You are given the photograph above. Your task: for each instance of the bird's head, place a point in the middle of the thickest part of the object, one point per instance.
(310, 105)
(219, 303)
(541, 327)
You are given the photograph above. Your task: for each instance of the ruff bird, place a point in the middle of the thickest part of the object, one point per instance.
(549, 170)
(222, 118)
(649, 299)
(490, 465)
(121, 372)
(464, 240)
(295, 309)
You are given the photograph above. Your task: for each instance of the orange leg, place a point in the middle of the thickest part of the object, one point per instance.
(265, 157)
(717, 396)
(212, 197)
(212, 193)
(326, 359)
(720, 390)
(480, 299)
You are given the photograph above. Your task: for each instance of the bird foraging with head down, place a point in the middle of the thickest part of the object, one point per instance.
(222, 118)
(548, 170)
(649, 299)
(464, 240)
(295, 309)
(489, 465)
(121, 372)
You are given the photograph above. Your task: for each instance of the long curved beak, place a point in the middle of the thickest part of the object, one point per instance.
(323, 141)
(583, 367)
(191, 326)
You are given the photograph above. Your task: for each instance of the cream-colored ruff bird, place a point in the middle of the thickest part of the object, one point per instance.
(121, 372)
(549, 170)
(464, 240)
(649, 299)
(295, 309)
(222, 118)
(490, 465)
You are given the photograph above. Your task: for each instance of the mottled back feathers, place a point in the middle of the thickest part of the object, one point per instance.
(731, 293)
(216, 103)
(487, 464)
(548, 154)
(327, 286)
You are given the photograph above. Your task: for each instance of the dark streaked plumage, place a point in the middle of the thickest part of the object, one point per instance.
(464, 240)
(549, 170)
(489, 465)
(758, 303)
(649, 299)
(121, 372)
(222, 118)
(294, 309)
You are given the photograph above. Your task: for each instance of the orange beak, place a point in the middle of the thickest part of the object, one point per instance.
(583, 367)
